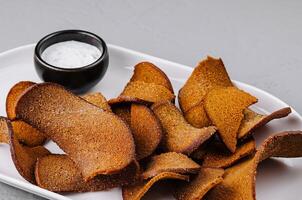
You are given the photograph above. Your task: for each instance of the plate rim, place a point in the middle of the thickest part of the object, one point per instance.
(28, 187)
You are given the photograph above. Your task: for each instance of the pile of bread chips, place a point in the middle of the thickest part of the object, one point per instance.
(206, 148)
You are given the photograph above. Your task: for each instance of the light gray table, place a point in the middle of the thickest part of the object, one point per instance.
(259, 41)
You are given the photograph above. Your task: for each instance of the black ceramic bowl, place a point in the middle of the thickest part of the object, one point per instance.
(78, 80)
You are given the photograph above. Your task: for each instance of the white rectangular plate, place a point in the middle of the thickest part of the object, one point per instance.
(277, 179)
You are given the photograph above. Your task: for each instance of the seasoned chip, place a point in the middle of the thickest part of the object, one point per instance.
(149, 92)
(224, 107)
(216, 158)
(210, 73)
(13, 95)
(239, 180)
(97, 99)
(127, 100)
(253, 120)
(90, 136)
(207, 179)
(23, 157)
(27, 134)
(170, 162)
(149, 73)
(137, 191)
(58, 173)
(180, 136)
(146, 130)
(197, 116)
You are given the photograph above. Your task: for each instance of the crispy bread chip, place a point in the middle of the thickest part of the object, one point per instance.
(180, 136)
(149, 73)
(97, 99)
(23, 157)
(207, 179)
(170, 162)
(197, 116)
(149, 92)
(253, 120)
(215, 158)
(90, 136)
(27, 134)
(224, 107)
(13, 95)
(123, 111)
(146, 130)
(125, 99)
(239, 180)
(137, 191)
(210, 73)
(58, 173)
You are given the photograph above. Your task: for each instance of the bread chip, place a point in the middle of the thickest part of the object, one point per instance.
(97, 99)
(210, 73)
(13, 95)
(137, 191)
(215, 158)
(149, 73)
(207, 179)
(180, 136)
(146, 130)
(149, 92)
(125, 99)
(224, 107)
(197, 116)
(27, 134)
(90, 136)
(58, 173)
(170, 162)
(23, 157)
(239, 180)
(4, 131)
(253, 120)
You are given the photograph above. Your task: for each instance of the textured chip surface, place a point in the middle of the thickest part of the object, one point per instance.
(97, 99)
(4, 130)
(224, 107)
(149, 73)
(170, 162)
(179, 136)
(146, 130)
(137, 191)
(58, 173)
(90, 136)
(207, 179)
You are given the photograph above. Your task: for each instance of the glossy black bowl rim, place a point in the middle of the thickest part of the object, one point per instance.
(74, 31)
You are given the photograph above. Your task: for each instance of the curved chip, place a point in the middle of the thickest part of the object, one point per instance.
(27, 134)
(215, 158)
(97, 99)
(13, 95)
(125, 99)
(239, 180)
(170, 162)
(23, 157)
(137, 191)
(180, 136)
(210, 73)
(149, 73)
(123, 111)
(207, 179)
(58, 173)
(149, 92)
(90, 136)
(253, 120)
(146, 130)
(224, 107)
(197, 116)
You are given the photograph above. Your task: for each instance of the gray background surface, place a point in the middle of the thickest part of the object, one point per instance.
(259, 41)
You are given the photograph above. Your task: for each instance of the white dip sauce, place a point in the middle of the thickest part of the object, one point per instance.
(71, 54)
